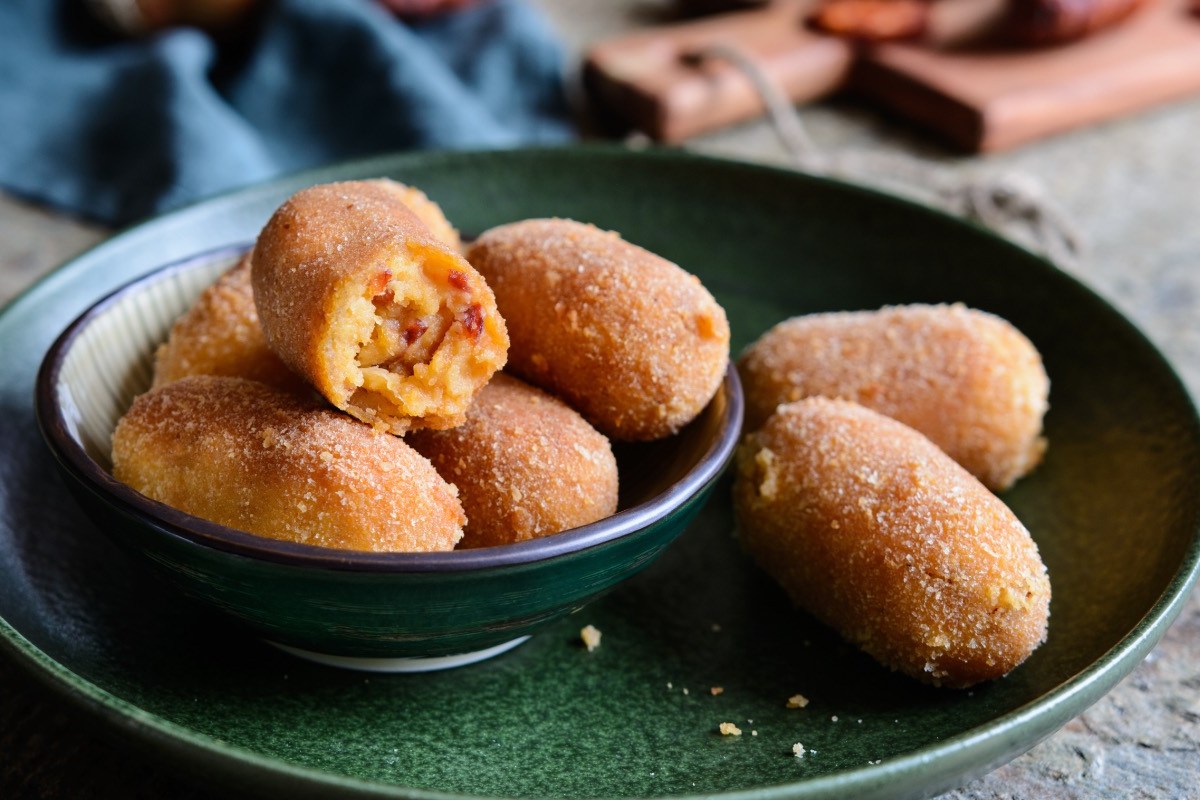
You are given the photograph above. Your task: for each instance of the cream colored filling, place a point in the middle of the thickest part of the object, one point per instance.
(400, 361)
(403, 337)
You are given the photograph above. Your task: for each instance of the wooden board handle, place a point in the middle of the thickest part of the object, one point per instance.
(650, 80)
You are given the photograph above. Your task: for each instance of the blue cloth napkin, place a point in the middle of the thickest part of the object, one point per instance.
(118, 129)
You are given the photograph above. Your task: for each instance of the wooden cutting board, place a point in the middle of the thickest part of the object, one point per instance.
(649, 81)
(985, 98)
(977, 97)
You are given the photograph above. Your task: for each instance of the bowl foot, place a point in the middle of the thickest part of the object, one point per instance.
(415, 664)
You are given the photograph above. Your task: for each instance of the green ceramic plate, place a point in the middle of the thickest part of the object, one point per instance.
(1114, 509)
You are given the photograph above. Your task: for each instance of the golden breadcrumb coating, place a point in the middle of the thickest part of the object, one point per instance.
(242, 454)
(634, 343)
(968, 380)
(384, 320)
(429, 212)
(220, 335)
(525, 464)
(871, 528)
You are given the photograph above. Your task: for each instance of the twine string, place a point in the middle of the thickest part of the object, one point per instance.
(1012, 204)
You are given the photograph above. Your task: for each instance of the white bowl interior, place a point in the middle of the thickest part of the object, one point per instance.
(111, 360)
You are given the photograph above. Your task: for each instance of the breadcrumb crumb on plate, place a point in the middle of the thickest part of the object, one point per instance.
(590, 635)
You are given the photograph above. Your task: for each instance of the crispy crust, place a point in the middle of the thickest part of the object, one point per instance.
(968, 380)
(525, 464)
(250, 457)
(629, 339)
(346, 269)
(870, 527)
(429, 212)
(220, 335)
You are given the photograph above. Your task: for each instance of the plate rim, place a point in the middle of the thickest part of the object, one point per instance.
(1048, 712)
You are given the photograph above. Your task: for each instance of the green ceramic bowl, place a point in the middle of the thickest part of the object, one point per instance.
(374, 611)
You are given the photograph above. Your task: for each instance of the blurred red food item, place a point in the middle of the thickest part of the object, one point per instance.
(1042, 22)
(137, 17)
(872, 20)
(415, 9)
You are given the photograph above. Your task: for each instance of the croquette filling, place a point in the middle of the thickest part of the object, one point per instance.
(403, 337)
(415, 308)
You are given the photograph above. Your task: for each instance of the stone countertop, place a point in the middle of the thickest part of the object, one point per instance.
(1130, 190)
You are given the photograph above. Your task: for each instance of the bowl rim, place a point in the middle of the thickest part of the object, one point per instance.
(70, 455)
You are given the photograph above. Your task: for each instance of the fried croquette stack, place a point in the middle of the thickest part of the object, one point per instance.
(340, 387)
(280, 397)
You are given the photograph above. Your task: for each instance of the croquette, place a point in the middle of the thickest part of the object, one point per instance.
(967, 379)
(630, 340)
(386, 321)
(525, 464)
(872, 529)
(220, 335)
(245, 455)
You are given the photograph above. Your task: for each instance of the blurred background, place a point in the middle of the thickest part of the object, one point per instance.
(1071, 126)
